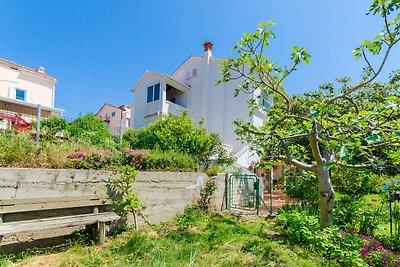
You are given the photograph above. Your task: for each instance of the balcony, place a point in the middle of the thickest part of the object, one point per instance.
(173, 108)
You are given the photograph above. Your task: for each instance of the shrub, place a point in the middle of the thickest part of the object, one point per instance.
(359, 214)
(355, 183)
(206, 193)
(302, 185)
(375, 254)
(153, 160)
(15, 148)
(168, 161)
(303, 229)
(92, 159)
(213, 171)
(50, 127)
(179, 134)
(92, 130)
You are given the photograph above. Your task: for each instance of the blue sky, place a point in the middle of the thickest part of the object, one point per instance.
(98, 49)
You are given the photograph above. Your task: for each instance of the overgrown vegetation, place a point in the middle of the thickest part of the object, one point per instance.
(194, 238)
(180, 134)
(173, 144)
(345, 247)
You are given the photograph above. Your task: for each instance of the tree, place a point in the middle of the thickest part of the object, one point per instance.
(343, 124)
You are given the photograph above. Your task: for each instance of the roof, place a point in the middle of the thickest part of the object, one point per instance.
(169, 79)
(191, 57)
(25, 68)
(31, 105)
(112, 105)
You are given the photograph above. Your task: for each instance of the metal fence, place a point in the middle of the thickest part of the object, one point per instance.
(30, 119)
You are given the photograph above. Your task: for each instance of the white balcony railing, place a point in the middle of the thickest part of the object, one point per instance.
(174, 108)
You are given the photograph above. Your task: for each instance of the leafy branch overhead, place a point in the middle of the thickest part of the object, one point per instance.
(345, 123)
(355, 122)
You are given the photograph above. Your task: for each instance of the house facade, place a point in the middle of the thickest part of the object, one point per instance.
(22, 89)
(117, 118)
(192, 88)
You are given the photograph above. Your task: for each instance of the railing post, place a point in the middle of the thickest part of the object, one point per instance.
(120, 131)
(39, 114)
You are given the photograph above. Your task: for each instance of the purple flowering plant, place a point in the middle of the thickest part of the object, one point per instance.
(375, 254)
(133, 157)
(91, 159)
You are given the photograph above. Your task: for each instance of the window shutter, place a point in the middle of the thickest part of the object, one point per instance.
(11, 92)
(28, 96)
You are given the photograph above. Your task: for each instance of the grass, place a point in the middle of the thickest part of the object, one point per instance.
(192, 239)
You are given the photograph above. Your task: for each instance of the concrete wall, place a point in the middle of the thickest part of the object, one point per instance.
(162, 194)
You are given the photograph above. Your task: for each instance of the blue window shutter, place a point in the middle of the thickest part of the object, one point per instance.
(156, 91)
(149, 94)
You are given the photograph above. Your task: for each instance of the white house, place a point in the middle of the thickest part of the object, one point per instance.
(192, 87)
(22, 89)
(117, 117)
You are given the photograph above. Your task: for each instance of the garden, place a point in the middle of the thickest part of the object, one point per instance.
(173, 144)
(341, 144)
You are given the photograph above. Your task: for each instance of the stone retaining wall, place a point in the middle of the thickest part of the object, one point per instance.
(162, 194)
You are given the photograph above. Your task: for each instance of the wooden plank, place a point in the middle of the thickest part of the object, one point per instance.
(53, 206)
(55, 223)
(18, 201)
(102, 232)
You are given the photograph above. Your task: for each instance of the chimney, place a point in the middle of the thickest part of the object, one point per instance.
(40, 69)
(207, 46)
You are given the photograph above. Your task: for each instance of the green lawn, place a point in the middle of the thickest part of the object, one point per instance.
(193, 239)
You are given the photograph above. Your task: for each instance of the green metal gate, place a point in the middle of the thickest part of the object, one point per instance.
(244, 192)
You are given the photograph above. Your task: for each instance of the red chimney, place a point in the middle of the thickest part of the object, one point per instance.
(207, 46)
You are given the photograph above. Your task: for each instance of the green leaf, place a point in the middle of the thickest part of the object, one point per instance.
(373, 138)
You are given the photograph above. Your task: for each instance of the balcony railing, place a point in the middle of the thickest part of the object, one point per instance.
(174, 108)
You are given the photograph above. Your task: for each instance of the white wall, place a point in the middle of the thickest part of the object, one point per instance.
(40, 90)
(216, 104)
(142, 108)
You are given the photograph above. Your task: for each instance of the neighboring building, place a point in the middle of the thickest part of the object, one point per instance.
(21, 90)
(113, 115)
(192, 87)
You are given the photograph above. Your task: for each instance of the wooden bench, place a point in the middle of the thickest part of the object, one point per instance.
(24, 206)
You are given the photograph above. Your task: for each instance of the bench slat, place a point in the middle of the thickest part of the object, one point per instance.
(20, 201)
(51, 203)
(53, 206)
(55, 223)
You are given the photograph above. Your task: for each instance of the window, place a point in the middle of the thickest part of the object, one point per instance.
(264, 104)
(153, 92)
(20, 94)
(113, 114)
(190, 73)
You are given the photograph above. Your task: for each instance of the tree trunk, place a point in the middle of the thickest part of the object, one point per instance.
(326, 196)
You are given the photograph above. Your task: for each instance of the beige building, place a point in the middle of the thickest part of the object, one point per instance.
(22, 89)
(115, 116)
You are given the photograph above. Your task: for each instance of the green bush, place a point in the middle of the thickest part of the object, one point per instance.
(302, 185)
(154, 160)
(365, 214)
(168, 161)
(92, 130)
(214, 170)
(303, 229)
(181, 135)
(355, 183)
(50, 127)
(15, 148)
